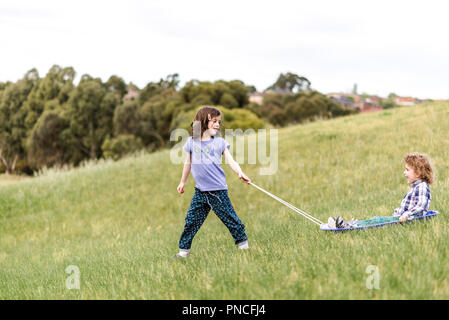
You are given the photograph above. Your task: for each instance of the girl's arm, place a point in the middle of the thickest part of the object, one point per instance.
(235, 166)
(422, 203)
(399, 210)
(185, 173)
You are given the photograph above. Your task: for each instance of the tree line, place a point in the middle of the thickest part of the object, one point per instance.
(50, 121)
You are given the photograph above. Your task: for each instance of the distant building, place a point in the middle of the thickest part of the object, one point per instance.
(350, 100)
(370, 103)
(370, 107)
(256, 97)
(279, 90)
(131, 95)
(406, 101)
(344, 101)
(376, 99)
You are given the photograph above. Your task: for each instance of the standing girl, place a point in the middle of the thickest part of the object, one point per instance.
(205, 149)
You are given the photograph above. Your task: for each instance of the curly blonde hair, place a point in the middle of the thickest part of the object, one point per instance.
(421, 165)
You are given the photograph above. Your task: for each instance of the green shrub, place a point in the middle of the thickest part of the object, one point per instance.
(228, 101)
(388, 103)
(241, 119)
(22, 166)
(121, 145)
(281, 110)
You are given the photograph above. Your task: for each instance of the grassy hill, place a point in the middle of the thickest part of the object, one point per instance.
(120, 222)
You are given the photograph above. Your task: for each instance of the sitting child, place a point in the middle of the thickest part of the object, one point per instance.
(419, 174)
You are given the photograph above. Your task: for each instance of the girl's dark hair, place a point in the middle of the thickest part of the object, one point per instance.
(202, 119)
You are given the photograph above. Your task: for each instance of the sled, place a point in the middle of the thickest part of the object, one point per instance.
(428, 215)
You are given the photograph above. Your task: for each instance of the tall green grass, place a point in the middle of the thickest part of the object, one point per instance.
(120, 222)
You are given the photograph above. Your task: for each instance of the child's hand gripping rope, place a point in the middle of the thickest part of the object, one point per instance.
(243, 177)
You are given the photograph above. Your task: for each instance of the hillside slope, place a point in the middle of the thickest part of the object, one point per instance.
(119, 222)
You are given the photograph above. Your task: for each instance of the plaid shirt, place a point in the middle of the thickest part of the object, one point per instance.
(416, 202)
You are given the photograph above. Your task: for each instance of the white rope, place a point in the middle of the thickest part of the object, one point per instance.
(304, 214)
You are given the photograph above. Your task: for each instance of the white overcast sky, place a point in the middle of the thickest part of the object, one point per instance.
(383, 46)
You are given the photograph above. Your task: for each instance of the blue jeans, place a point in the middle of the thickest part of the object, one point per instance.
(376, 220)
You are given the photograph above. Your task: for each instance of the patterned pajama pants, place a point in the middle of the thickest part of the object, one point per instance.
(200, 206)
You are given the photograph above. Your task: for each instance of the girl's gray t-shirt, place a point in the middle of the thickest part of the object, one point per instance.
(206, 163)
